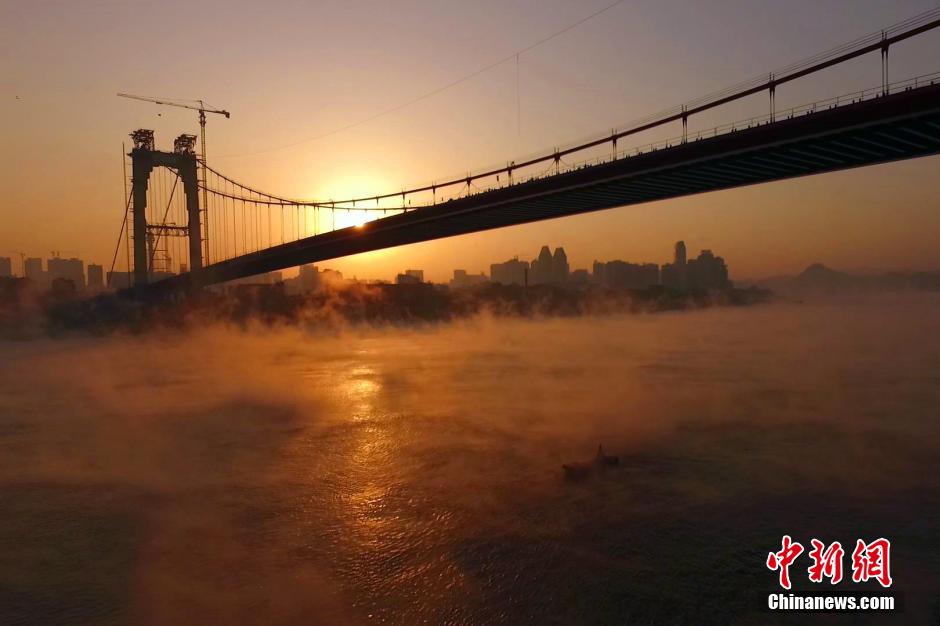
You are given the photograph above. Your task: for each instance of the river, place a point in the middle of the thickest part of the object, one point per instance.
(413, 475)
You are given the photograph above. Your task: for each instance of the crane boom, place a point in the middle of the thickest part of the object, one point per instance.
(201, 108)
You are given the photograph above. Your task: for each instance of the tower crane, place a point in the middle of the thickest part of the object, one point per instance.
(173, 103)
(202, 135)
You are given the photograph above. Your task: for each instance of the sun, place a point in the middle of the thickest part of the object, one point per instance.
(345, 188)
(352, 218)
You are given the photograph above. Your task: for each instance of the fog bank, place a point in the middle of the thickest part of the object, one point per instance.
(259, 474)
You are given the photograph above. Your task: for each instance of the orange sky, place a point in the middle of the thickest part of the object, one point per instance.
(291, 70)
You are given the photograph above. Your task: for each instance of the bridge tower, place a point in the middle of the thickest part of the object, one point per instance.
(144, 158)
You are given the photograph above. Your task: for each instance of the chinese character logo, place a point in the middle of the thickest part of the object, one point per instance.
(827, 563)
(782, 560)
(869, 561)
(872, 560)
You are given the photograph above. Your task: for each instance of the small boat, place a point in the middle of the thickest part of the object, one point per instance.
(581, 470)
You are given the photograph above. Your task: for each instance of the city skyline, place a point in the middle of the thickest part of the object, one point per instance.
(95, 277)
(546, 267)
(851, 219)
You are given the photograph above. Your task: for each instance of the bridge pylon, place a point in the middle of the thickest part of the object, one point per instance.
(144, 158)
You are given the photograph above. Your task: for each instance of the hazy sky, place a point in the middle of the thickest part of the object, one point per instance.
(294, 70)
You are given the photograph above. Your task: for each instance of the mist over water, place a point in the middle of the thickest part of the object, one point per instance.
(402, 475)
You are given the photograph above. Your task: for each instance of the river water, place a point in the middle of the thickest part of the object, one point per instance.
(413, 475)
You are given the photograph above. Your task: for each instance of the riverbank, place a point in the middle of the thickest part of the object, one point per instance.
(355, 304)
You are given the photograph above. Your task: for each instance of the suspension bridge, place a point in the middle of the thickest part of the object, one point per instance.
(238, 230)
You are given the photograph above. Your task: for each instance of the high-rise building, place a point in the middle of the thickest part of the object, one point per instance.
(707, 272)
(579, 277)
(541, 268)
(407, 279)
(674, 274)
(560, 267)
(623, 275)
(462, 279)
(703, 273)
(34, 272)
(512, 272)
(6, 267)
(549, 268)
(95, 277)
(410, 277)
(67, 269)
(680, 263)
(680, 257)
(309, 278)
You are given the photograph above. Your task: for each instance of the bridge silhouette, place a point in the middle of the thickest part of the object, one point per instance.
(241, 231)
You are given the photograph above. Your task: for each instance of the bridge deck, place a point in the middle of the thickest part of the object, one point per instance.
(899, 126)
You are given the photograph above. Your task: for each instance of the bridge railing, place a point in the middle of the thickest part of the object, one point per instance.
(564, 165)
(728, 127)
(870, 93)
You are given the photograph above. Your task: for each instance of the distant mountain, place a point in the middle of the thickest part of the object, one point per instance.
(817, 278)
